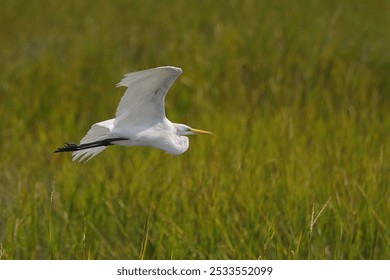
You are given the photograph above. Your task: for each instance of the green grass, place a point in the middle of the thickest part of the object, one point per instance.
(297, 94)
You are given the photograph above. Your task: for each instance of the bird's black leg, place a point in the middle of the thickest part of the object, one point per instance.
(69, 147)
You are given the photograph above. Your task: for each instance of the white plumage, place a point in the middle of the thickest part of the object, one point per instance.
(140, 118)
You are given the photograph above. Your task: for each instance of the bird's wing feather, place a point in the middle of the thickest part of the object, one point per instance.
(144, 98)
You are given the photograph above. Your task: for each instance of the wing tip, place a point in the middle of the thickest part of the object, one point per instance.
(178, 70)
(124, 82)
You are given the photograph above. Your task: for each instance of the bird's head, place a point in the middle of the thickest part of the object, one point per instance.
(183, 129)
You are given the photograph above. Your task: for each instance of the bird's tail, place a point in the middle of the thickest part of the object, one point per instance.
(94, 142)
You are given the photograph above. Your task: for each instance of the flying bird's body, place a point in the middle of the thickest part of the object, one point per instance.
(140, 118)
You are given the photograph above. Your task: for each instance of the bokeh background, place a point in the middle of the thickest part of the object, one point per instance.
(296, 92)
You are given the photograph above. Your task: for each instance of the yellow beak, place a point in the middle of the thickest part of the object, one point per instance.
(199, 131)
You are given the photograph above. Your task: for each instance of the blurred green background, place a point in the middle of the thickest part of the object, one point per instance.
(296, 92)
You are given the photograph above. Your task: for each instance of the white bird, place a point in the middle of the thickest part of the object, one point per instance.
(140, 118)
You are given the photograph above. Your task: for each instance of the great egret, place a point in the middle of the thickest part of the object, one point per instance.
(140, 118)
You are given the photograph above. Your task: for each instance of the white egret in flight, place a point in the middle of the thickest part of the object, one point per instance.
(140, 118)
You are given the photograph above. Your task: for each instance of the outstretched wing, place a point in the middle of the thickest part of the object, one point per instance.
(143, 101)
